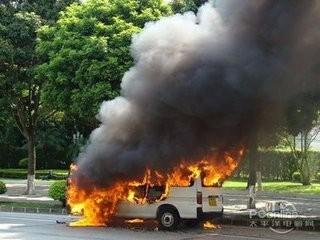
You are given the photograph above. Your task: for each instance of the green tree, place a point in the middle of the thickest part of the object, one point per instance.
(181, 6)
(87, 52)
(20, 89)
(48, 10)
(10, 140)
(303, 117)
(52, 142)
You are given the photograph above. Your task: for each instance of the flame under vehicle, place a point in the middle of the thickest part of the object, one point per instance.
(191, 204)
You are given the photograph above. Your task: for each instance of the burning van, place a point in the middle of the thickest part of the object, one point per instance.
(189, 193)
(192, 203)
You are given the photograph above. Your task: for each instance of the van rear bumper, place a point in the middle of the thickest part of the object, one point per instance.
(208, 215)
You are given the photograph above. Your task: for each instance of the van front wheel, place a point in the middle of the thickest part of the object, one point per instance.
(168, 219)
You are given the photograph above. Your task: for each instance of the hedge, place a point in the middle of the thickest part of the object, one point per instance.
(318, 176)
(40, 174)
(23, 163)
(296, 177)
(279, 165)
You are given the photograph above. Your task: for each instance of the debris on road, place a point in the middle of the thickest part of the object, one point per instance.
(60, 222)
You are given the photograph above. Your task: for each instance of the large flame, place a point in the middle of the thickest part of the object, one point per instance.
(98, 205)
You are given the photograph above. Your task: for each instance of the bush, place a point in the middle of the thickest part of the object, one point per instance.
(23, 163)
(57, 191)
(13, 173)
(3, 187)
(296, 177)
(318, 176)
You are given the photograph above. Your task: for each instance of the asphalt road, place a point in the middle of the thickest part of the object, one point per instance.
(21, 226)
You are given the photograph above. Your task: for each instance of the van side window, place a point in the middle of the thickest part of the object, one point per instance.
(216, 185)
(155, 193)
(191, 183)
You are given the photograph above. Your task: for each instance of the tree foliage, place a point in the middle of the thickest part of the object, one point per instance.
(181, 6)
(20, 90)
(87, 52)
(303, 113)
(303, 127)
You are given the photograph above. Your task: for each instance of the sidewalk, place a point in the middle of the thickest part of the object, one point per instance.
(15, 200)
(235, 201)
(17, 187)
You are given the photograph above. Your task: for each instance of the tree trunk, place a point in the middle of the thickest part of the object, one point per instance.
(305, 170)
(25, 112)
(259, 172)
(305, 173)
(31, 164)
(252, 180)
(259, 181)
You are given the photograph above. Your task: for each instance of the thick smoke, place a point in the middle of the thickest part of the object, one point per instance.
(203, 83)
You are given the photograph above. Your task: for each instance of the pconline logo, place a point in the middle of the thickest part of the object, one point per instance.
(279, 216)
(282, 210)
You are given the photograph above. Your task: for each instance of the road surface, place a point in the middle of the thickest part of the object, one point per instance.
(22, 226)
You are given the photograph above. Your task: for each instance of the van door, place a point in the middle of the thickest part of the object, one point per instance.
(211, 198)
(129, 209)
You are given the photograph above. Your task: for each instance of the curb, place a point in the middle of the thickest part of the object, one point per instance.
(54, 211)
(302, 223)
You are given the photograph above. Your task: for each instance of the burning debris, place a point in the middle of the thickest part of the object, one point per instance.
(200, 88)
(136, 220)
(208, 225)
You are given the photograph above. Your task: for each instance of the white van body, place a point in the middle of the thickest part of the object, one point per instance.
(193, 202)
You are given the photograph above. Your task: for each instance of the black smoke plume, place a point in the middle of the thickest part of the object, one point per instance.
(204, 83)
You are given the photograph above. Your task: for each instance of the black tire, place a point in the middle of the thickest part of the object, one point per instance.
(191, 223)
(168, 219)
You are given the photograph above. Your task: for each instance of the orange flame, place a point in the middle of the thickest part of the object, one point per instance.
(209, 225)
(137, 220)
(98, 205)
